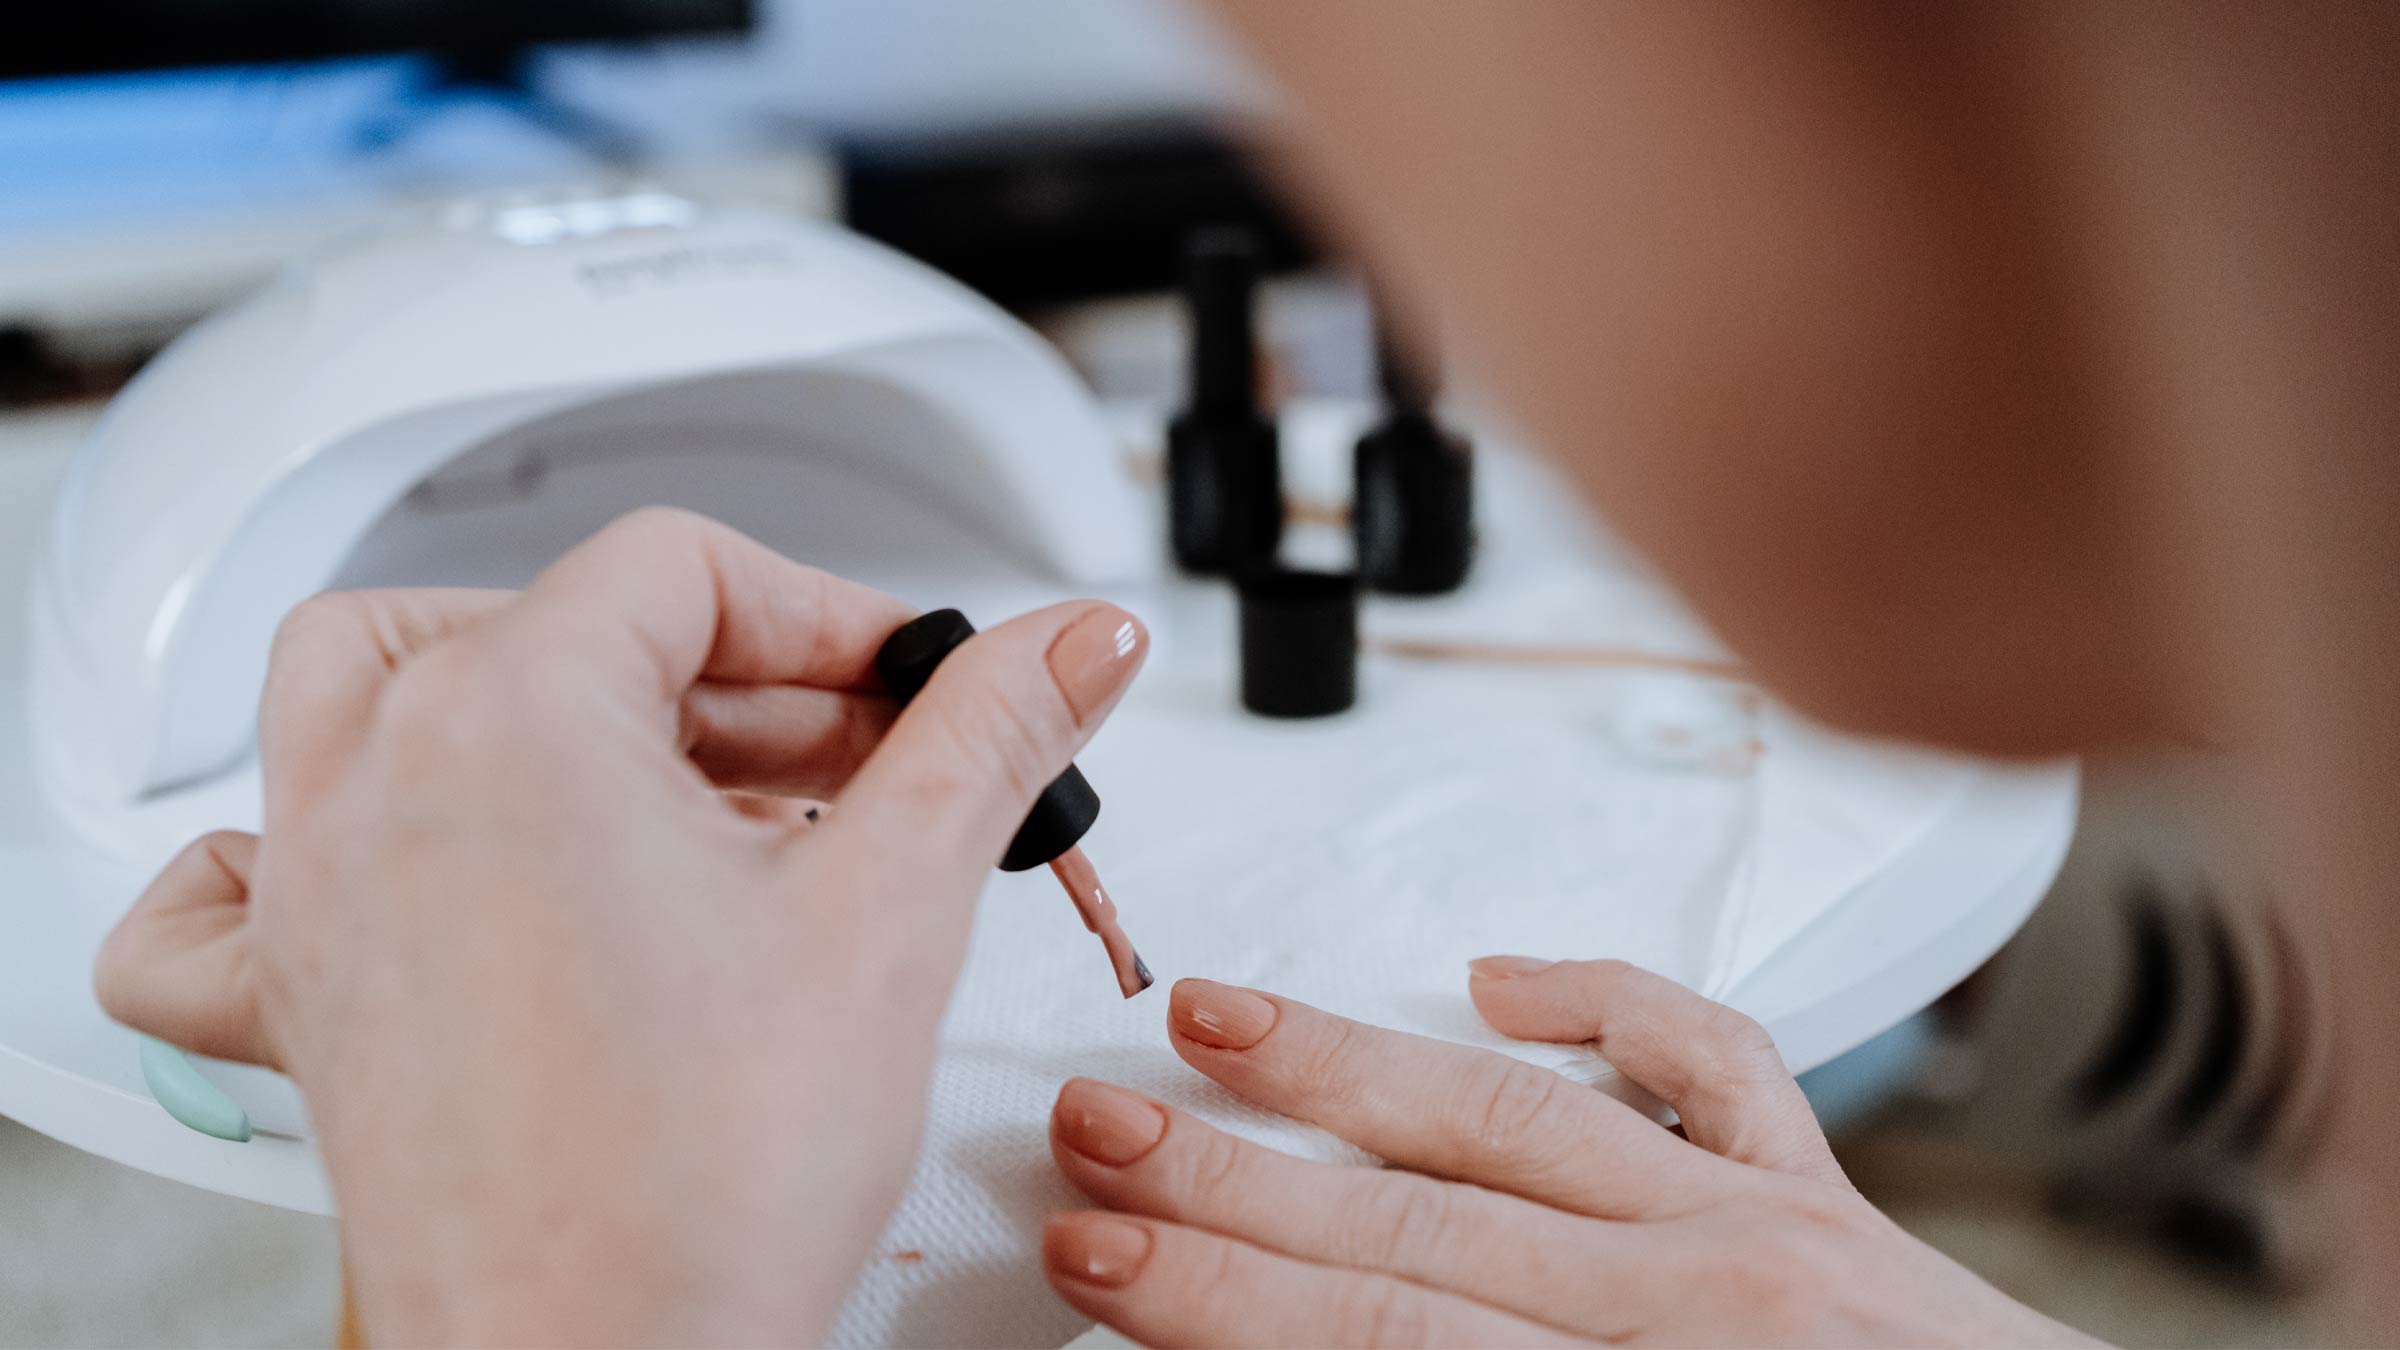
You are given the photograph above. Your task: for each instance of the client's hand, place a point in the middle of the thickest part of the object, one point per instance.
(600, 1039)
(1519, 1208)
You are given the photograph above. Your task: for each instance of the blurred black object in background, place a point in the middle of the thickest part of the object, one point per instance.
(56, 37)
(1043, 215)
(2113, 1118)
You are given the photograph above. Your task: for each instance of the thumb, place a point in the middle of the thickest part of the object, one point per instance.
(933, 808)
(179, 965)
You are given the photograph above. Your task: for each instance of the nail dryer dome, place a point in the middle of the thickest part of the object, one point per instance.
(472, 353)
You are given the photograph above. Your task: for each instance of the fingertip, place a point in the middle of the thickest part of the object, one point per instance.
(1507, 967)
(1094, 1249)
(1094, 657)
(1499, 1007)
(1067, 1091)
(1219, 1016)
(1519, 996)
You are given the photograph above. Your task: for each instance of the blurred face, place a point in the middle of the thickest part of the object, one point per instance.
(2017, 376)
(1787, 292)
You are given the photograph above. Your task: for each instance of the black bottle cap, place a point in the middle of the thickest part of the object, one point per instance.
(1220, 276)
(1067, 807)
(1224, 468)
(1412, 502)
(1299, 642)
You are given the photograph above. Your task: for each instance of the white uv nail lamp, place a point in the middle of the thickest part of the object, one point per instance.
(460, 399)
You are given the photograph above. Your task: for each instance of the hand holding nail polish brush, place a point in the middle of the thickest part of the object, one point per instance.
(1060, 816)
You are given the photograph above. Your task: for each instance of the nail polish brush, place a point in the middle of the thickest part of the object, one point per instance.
(1061, 814)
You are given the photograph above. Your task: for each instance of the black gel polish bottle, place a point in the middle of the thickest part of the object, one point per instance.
(1412, 504)
(1224, 470)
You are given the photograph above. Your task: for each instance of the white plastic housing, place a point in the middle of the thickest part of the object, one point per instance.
(240, 472)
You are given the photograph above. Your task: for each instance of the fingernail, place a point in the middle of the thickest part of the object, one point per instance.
(1096, 1249)
(1107, 1124)
(1094, 658)
(1506, 967)
(1219, 1015)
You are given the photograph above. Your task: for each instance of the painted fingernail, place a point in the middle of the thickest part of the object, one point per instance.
(1219, 1015)
(1094, 658)
(1506, 967)
(1107, 1124)
(1099, 1249)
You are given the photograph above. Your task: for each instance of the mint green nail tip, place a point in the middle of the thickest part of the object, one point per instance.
(175, 1083)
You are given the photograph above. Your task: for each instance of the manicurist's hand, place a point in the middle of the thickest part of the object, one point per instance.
(1519, 1208)
(602, 1040)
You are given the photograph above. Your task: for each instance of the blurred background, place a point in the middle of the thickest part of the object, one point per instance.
(2107, 1121)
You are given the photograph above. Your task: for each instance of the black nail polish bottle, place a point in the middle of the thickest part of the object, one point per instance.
(1412, 509)
(1224, 474)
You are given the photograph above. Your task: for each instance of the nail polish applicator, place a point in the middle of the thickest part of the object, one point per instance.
(1224, 468)
(1061, 814)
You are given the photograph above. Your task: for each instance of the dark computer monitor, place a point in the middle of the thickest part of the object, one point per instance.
(79, 37)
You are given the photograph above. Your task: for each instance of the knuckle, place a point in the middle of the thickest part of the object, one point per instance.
(457, 700)
(1401, 1223)
(215, 844)
(1815, 1213)
(1383, 1312)
(1611, 971)
(1734, 1053)
(1215, 1172)
(647, 525)
(1209, 1281)
(325, 609)
(1326, 1067)
(196, 855)
(1768, 1287)
(659, 535)
(1736, 1033)
(323, 615)
(1515, 1103)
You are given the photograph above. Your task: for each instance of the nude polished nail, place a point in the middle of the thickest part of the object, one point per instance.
(1096, 1249)
(1093, 657)
(1106, 1123)
(1219, 1015)
(1506, 967)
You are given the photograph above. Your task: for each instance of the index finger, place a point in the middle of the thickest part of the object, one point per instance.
(663, 598)
(1445, 1110)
